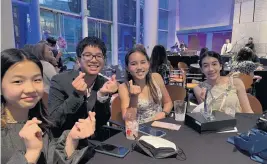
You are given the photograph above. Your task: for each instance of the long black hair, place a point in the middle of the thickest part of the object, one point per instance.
(9, 57)
(158, 57)
(214, 55)
(149, 81)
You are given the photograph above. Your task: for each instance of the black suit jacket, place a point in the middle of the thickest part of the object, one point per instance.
(66, 106)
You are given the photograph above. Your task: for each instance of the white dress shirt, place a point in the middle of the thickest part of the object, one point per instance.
(226, 48)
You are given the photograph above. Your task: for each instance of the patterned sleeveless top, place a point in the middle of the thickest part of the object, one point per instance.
(147, 109)
(225, 91)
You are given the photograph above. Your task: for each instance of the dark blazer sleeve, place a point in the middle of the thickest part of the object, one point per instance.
(102, 110)
(54, 150)
(60, 104)
(83, 152)
(102, 113)
(18, 158)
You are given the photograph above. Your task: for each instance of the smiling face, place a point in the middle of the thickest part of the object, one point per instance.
(138, 65)
(92, 60)
(22, 85)
(211, 67)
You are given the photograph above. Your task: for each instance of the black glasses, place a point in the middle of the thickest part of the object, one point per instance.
(88, 56)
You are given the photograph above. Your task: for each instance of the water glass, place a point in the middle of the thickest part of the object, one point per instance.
(131, 124)
(132, 128)
(180, 110)
(207, 111)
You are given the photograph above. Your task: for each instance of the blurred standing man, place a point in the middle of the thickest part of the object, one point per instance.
(73, 94)
(227, 47)
(52, 42)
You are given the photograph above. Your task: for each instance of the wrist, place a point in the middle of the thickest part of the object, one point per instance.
(71, 145)
(32, 156)
(166, 114)
(102, 94)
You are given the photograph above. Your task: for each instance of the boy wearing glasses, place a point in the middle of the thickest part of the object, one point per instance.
(72, 94)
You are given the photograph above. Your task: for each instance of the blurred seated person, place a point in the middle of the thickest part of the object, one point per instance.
(52, 42)
(25, 128)
(226, 48)
(144, 93)
(175, 47)
(228, 93)
(183, 47)
(244, 63)
(159, 62)
(250, 44)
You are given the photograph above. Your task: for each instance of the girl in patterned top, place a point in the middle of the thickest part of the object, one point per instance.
(25, 134)
(143, 92)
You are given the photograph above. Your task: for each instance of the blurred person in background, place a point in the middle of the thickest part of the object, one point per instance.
(226, 48)
(52, 42)
(159, 62)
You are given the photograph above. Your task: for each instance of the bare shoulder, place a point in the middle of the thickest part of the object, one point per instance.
(237, 81)
(156, 76)
(122, 87)
(157, 79)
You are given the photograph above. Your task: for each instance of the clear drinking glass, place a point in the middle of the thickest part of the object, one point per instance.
(132, 128)
(207, 111)
(131, 124)
(180, 110)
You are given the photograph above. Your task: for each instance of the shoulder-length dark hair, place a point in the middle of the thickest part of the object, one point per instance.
(149, 81)
(10, 57)
(214, 55)
(158, 57)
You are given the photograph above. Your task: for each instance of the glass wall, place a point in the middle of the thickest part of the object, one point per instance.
(71, 31)
(21, 24)
(126, 41)
(162, 38)
(101, 30)
(61, 18)
(163, 22)
(142, 6)
(126, 27)
(73, 6)
(101, 9)
(70, 26)
(127, 11)
(163, 4)
(48, 23)
(56, 25)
